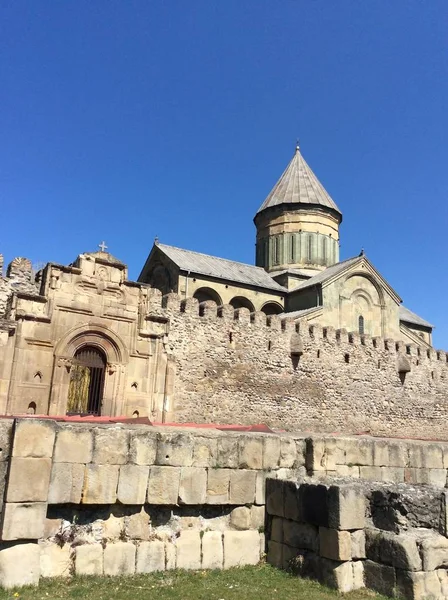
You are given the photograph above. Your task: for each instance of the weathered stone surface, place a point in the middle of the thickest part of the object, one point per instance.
(380, 578)
(242, 486)
(205, 452)
(119, 559)
(89, 559)
(314, 502)
(33, 439)
(399, 551)
(6, 427)
(337, 575)
(212, 550)
(275, 554)
(55, 560)
(23, 521)
(358, 574)
(358, 540)
(132, 484)
(74, 445)
(358, 451)
(218, 483)
(174, 449)
(300, 535)
(111, 446)
(419, 585)
(138, 525)
(188, 550)
(271, 452)
(228, 452)
(335, 544)
(387, 453)
(257, 517)
(240, 517)
(434, 551)
(193, 485)
(260, 488)
(100, 484)
(277, 530)
(29, 479)
(370, 473)
(150, 557)
(346, 507)
(163, 485)
(250, 452)
(275, 504)
(394, 507)
(241, 548)
(142, 448)
(19, 565)
(395, 474)
(288, 453)
(170, 554)
(51, 527)
(113, 527)
(66, 483)
(292, 501)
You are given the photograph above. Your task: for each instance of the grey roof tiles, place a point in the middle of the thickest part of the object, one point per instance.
(408, 316)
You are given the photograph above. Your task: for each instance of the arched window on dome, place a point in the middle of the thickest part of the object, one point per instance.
(361, 325)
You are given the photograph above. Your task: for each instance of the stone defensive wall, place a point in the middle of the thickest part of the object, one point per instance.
(118, 499)
(233, 366)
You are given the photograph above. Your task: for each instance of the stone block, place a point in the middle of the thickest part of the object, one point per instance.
(257, 517)
(277, 529)
(358, 539)
(174, 449)
(437, 477)
(66, 483)
(193, 485)
(370, 473)
(6, 428)
(335, 544)
(142, 448)
(300, 535)
(23, 521)
(74, 445)
(33, 439)
(380, 578)
(242, 486)
(389, 454)
(288, 453)
(228, 452)
(321, 454)
(218, 482)
(271, 452)
(89, 559)
(241, 548)
(113, 527)
(314, 502)
(119, 559)
(55, 560)
(205, 452)
(163, 485)
(51, 527)
(419, 585)
(132, 484)
(188, 550)
(395, 474)
(100, 484)
(111, 446)
(346, 471)
(358, 574)
(275, 497)
(19, 565)
(212, 550)
(275, 554)
(337, 575)
(260, 488)
(358, 451)
(250, 452)
(29, 479)
(399, 551)
(424, 455)
(434, 551)
(346, 508)
(292, 501)
(138, 525)
(150, 557)
(240, 517)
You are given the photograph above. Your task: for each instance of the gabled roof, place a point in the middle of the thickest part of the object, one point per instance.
(299, 185)
(408, 316)
(221, 268)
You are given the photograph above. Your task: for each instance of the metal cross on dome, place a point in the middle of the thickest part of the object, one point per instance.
(102, 246)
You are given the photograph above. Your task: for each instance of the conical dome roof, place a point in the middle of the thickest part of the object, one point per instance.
(298, 185)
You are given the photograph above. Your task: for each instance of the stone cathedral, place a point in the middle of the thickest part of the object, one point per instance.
(84, 339)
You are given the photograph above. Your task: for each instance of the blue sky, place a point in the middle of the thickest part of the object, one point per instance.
(126, 120)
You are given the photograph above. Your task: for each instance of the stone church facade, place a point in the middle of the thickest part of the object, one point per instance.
(184, 341)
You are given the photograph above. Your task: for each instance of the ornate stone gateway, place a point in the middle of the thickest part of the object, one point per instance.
(85, 391)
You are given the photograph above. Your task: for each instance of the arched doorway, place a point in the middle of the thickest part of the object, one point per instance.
(241, 302)
(85, 392)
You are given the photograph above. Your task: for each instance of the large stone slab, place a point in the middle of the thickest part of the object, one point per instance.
(174, 449)
(241, 548)
(399, 551)
(24, 521)
(193, 485)
(163, 485)
(380, 578)
(29, 479)
(300, 535)
(346, 507)
(89, 559)
(250, 452)
(335, 544)
(100, 484)
(66, 483)
(242, 486)
(150, 557)
(111, 446)
(74, 445)
(212, 550)
(33, 439)
(119, 558)
(142, 448)
(188, 550)
(55, 560)
(218, 483)
(19, 565)
(132, 484)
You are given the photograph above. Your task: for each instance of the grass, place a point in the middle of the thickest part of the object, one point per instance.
(247, 583)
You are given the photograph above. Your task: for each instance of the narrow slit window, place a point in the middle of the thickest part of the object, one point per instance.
(310, 247)
(361, 325)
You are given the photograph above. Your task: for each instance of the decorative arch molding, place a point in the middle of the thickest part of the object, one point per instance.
(371, 279)
(203, 294)
(242, 302)
(360, 293)
(93, 334)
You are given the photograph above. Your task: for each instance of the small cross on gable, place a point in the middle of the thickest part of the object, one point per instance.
(102, 246)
